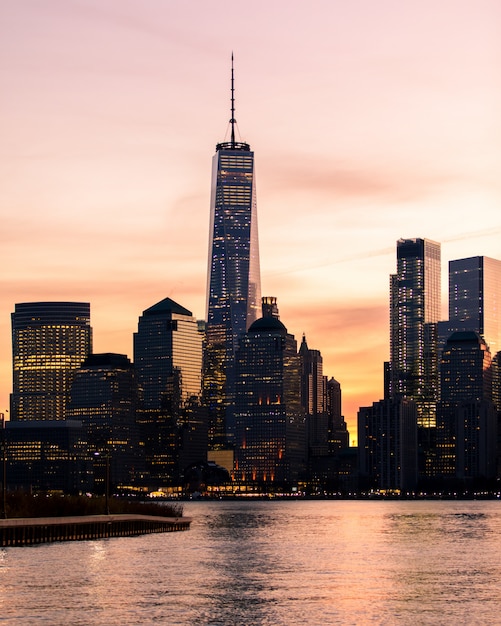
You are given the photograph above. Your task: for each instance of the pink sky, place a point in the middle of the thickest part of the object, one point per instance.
(370, 121)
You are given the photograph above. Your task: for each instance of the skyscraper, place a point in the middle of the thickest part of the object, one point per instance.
(466, 415)
(475, 298)
(414, 314)
(168, 361)
(233, 281)
(387, 444)
(50, 340)
(168, 344)
(270, 426)
(105, 397)
(314, 400)
(339, 437)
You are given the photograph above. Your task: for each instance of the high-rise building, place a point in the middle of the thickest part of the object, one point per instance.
(475, 298)
(168, 343)
(314, 400)
(168, 361)
(233, 281)
(270, 427)
(466, 415)
(105, 397)
(414, 314)
(50, 340)
(387, 444)
(339, 437)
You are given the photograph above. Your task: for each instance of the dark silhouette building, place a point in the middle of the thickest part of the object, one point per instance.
(475, 298)
(339, 437)
(387, 445)
(105, 397)
(314, 401)
(270, 426)
(48, 456)
(168, 361)
(466, 414)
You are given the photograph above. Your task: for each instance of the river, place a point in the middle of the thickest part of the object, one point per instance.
(272, 563)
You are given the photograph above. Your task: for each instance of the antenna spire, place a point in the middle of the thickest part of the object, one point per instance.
(232, 120)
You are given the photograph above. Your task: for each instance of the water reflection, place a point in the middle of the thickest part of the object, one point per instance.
(263, 563)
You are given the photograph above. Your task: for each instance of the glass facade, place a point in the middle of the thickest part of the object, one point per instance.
(466, 416)
(168, 343)
(414, 314)
(48, 456)
(233, 282)
(105, 397)
(475, 298)
(168, 361)
(270, 425)
(50, 340)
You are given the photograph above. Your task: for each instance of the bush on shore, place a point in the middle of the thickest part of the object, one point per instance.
(25, 505)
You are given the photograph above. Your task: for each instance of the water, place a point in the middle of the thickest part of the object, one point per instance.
(272, 563)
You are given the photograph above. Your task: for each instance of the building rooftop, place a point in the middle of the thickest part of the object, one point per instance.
(267, 324)
(167, 306)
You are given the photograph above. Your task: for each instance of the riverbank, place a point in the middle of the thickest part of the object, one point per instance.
(36, 530)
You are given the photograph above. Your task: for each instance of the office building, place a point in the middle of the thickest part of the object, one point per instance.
(168, 362)
(475, 298)
(387, 445)
(48, 456)
(168, 346)
(50, 340)
(270, 427)
(314, 400)
(466, 415)
(233, 282)
(339, 437)
(414, 314)
(105, 398)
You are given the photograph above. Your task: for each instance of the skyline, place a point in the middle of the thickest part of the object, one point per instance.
(368, 124)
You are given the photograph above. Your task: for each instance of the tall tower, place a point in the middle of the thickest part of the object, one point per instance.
(314, 400)
(233, 281)
(475, 298)
(168, 345)
(466, 415)
(168, 361)
(270, 429)
(414, 314)
(50, 340)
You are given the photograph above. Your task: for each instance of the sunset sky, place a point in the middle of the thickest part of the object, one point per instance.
(370, 121)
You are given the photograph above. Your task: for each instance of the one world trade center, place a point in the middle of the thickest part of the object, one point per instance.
(233, 280)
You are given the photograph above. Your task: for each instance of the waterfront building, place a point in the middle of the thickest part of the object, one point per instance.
(270, 427)
(339, 437)
(168, 361)
(475, 298)
(387, 445)
(50, 340)
(314, 401)
(47, 456)
(466, 415)
(105, 397)
(414, 315)
(168, 341)
(233, 280)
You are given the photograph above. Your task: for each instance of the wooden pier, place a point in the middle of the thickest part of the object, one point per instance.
(35, 530)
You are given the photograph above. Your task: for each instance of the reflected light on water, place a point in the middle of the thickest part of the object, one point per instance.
(272, 563)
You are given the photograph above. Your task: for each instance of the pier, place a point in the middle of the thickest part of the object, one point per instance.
(35, 530)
